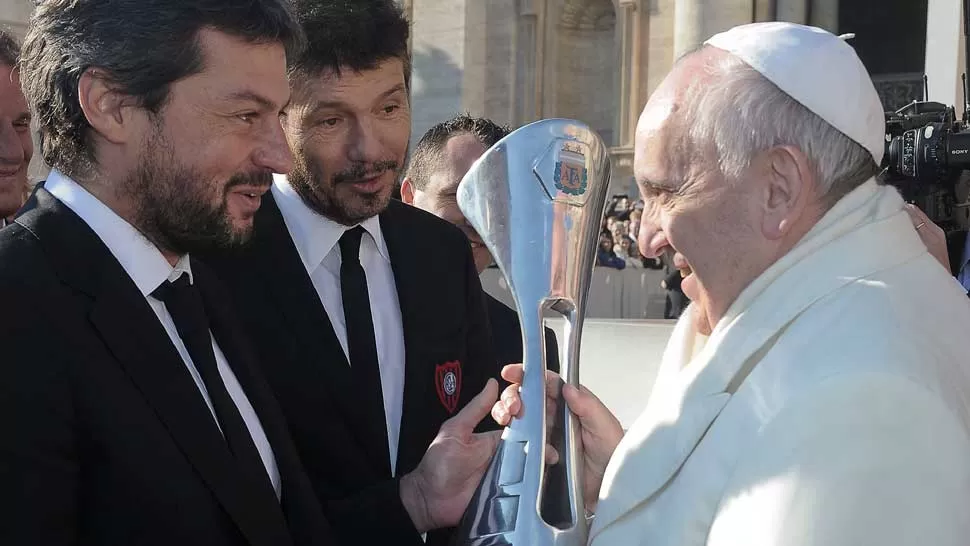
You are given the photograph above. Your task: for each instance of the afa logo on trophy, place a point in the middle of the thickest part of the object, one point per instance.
(571, 171)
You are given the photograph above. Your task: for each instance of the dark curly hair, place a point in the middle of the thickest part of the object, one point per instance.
(350, 34)
(143, 46)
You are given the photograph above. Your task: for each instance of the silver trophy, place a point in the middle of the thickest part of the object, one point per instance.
(537, 198)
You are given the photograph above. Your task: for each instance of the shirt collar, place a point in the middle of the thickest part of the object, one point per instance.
(314, 234)
(142, 260)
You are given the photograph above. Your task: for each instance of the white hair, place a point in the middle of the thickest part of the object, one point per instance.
(741, 113)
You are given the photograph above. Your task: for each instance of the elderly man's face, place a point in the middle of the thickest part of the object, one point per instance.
(349, 134)
(439, 197)
(16, 146)
(690, 209)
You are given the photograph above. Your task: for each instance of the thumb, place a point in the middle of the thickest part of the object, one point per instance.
(591, 411)
(477, 409)
(488, 441)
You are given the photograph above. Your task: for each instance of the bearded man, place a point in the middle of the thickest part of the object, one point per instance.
(131, 407)
(367, 313)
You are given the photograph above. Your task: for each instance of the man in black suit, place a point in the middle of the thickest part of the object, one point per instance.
(438, 162)
(131, 406)
(367, 314)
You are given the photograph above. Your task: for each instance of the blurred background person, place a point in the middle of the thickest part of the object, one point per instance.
(605, 256)
(16, 146)
(438, 163)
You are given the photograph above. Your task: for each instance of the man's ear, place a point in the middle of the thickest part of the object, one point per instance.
(786, 195)
(107, 111)
(407, 191)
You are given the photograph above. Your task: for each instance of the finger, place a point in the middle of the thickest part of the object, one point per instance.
(500, 414)
(477, 409)
(916, 214)
(552, 456)
(513, 373)
(512, 400)
(553, 384)
(592, 413)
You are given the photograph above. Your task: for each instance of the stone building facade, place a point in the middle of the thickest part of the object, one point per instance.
(14, 15)
(516, 61)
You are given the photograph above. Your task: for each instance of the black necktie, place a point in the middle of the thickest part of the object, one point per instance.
(184, 303)
(362, 346)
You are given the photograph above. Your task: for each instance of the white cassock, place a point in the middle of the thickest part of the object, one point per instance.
(829, 407)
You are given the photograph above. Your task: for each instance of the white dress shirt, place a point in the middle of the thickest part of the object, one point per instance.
(316, 238)
(147, 267)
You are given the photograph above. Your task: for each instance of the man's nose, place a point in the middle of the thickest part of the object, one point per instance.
(273, 153)
(11, 149)
(651, 240)
(366, 144)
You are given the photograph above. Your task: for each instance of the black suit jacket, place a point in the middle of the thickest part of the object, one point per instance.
(507, 336)
(443, 317)
(106, 440)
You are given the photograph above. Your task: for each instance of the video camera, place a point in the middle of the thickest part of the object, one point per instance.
(928, 150)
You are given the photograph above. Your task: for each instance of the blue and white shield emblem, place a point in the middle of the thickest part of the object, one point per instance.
(570, 176)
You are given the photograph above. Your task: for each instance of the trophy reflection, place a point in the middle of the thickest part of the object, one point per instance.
(537, 198)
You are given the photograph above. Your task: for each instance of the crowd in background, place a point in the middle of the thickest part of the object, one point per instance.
(618, 250)
(618, 236)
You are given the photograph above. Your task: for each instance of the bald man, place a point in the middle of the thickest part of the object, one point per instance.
(438, 163)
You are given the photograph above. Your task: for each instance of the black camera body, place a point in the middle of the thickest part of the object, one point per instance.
(927, 151)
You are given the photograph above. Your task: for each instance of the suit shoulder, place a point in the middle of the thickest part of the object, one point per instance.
(204, 272)
(22, 260)
(427, 224)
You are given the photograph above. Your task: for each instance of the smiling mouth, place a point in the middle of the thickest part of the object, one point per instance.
(252, 194)
(678, 261)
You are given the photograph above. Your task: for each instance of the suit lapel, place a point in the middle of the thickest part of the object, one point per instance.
(166, 385)
(684, 404)
(418, 377)
(133, 334)
(227, 332)
(275, 256)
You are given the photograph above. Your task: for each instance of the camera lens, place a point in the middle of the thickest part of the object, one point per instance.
(902, 154)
